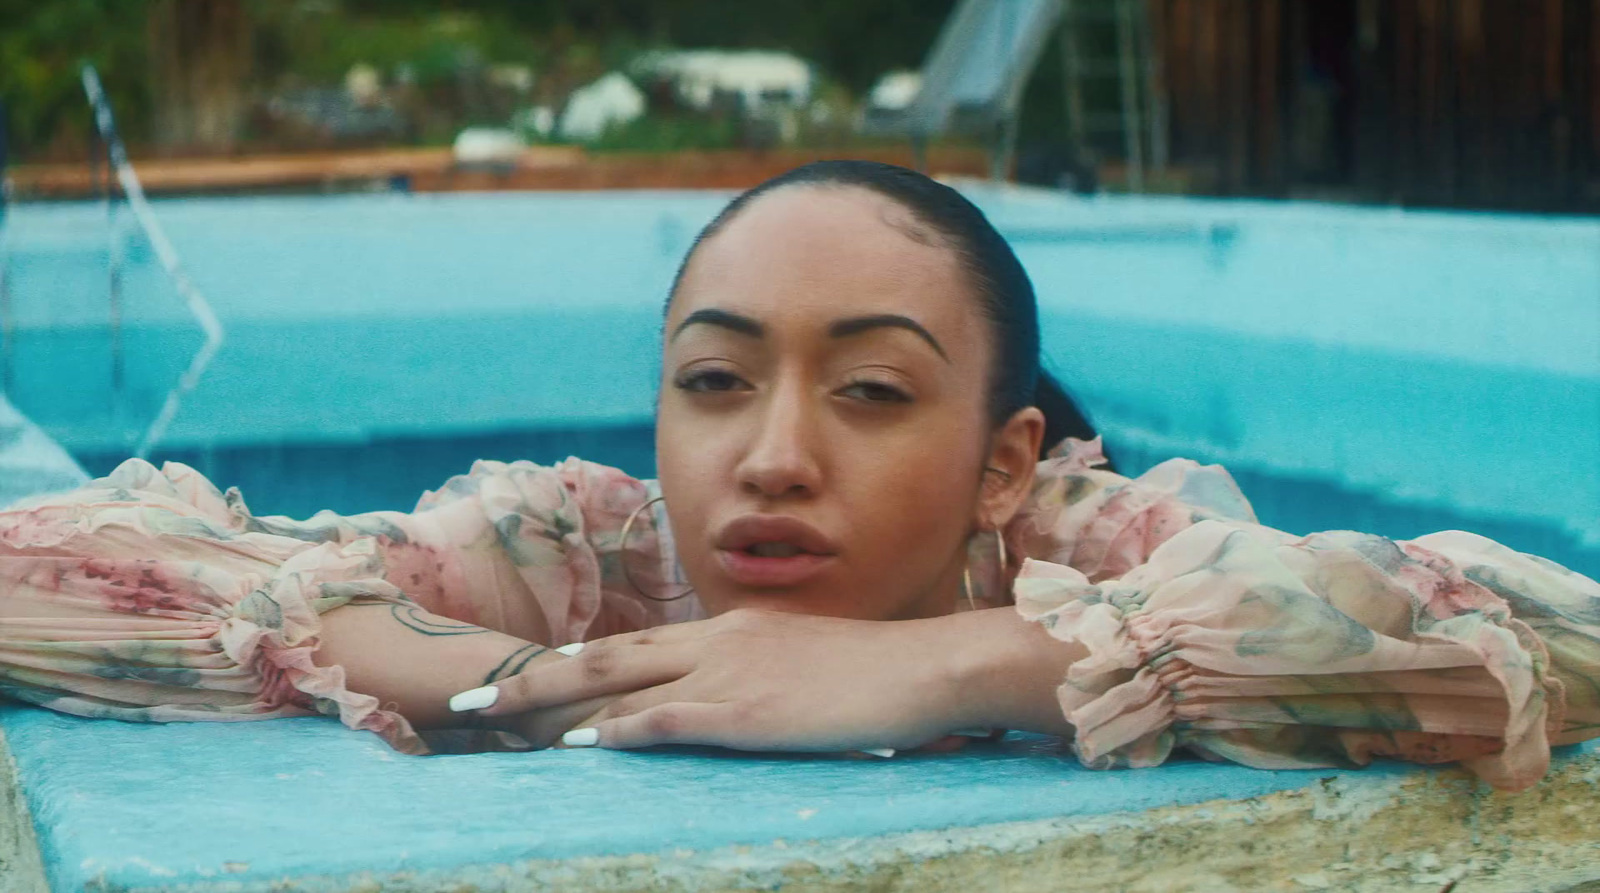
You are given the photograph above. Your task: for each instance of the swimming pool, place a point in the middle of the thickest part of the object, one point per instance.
(1355, 367)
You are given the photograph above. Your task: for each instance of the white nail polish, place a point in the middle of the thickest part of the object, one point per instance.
(885, 752)
(570, 650)
(581, 738)
(475, 699)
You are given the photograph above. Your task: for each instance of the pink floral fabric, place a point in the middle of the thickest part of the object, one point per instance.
(1209, 632)
(150, 595)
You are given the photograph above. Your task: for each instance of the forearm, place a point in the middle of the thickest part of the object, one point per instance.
(414, 660)
(1005, 671)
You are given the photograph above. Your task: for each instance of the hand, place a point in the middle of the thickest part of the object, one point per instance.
(756, 680)
(543, 728)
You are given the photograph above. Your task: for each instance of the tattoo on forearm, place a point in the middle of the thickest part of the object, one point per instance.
(514, 663)
(414, 618)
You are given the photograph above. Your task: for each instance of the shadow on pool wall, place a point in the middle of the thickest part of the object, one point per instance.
(388, 474)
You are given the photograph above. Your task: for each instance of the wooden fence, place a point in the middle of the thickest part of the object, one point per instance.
(1464, 103)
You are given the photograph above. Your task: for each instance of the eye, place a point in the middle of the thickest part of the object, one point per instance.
(875, 392)
(709, 381)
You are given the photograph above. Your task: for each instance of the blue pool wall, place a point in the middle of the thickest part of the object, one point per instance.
(30, 462)
(1362, 368)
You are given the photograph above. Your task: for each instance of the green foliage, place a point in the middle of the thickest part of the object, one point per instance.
(320, 44)
(315, 42)
(41, 47)
(663, 133)
(852, 40)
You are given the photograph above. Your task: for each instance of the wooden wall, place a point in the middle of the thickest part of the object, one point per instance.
(1463, 103)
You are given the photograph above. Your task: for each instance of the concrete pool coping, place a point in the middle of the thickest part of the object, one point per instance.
(124, 807)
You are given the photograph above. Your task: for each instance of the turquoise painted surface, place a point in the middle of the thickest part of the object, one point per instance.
(125, 804)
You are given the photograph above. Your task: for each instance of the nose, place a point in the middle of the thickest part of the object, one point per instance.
(782, 458)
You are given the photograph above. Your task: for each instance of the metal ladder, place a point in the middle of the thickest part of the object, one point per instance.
(100, 184)
(117, 166)
(1140, 119)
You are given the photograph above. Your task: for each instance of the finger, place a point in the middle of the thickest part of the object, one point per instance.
(626, 705)
(587, 725)
(675, 722)
(672, 633)
(602, 668)
(543, 728)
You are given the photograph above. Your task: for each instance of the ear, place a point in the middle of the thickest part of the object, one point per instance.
(1008, 474)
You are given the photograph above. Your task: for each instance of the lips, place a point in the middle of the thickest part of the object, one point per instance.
(773, 551)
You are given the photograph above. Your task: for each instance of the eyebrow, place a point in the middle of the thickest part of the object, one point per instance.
(843, 328)
(855, 325)
(744, 325)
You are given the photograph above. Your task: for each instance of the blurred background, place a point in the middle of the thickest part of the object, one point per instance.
(1470, 103)
(331, 251)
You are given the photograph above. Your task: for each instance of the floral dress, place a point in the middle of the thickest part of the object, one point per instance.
(150, 595)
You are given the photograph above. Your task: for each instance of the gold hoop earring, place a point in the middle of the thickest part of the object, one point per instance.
(622, 555)
(966, 572)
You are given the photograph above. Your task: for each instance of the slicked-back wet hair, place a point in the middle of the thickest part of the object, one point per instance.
(1000, 284)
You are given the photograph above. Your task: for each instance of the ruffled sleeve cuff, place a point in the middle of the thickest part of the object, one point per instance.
(1238, 642)
(148, 596)
(273, 632)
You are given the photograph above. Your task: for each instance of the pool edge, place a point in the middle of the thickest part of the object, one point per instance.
(1339, 833)
(21, 866)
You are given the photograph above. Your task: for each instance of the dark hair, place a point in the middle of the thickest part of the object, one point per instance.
(1002, 285)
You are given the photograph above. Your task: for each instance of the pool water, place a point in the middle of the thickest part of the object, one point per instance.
(1390, 371)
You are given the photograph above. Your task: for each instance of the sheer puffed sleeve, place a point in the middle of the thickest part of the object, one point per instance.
(1104, 524)
(542, 552)
(150, 595)
(1240, 642)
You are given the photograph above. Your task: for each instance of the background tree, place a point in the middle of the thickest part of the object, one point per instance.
(201, 59)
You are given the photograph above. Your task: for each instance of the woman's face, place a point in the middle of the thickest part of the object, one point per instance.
(822, 430)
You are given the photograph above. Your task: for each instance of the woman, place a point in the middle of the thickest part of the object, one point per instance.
(848, 439)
